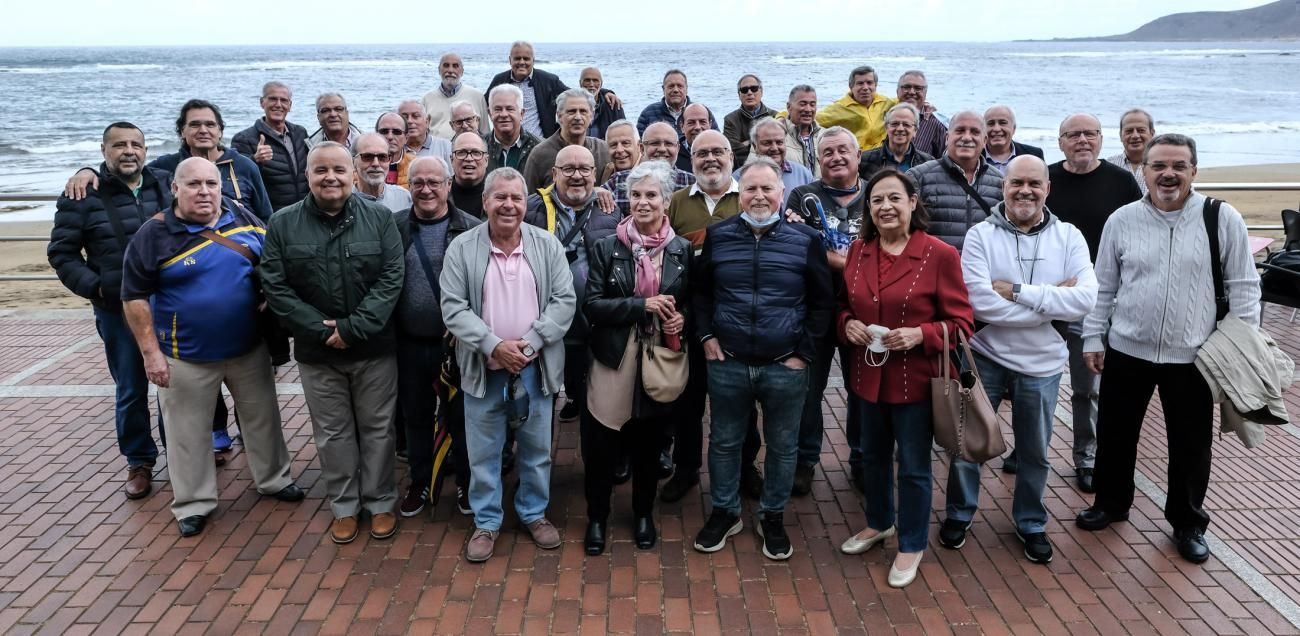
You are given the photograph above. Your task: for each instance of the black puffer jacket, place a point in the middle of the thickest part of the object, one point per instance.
(285, 179)
(598, 226)
(88, 225)
(764, 298)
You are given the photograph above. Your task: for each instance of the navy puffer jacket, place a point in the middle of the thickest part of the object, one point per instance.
(764, 298)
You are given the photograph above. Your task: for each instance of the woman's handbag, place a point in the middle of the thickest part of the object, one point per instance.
(663, 371)
(965, 423)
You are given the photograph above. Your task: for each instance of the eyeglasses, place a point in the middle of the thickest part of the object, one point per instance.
(1090, 135)
(569, 171)
(473, 155)
(391, 131)
(1161, 166)
(432, 184)
(705, 153)
(464, 121)
(332, 109)
(749, 89)
(912, 88)
(368, 157)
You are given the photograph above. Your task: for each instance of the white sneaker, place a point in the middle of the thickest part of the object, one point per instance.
(854, 545)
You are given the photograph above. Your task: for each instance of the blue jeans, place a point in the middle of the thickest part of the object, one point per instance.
(911, 428)
(485, 435)
(1033, 406)
(733, 388)
(134, 437)
(811, 423)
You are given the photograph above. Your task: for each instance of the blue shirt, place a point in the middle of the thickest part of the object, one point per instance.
(203, 295)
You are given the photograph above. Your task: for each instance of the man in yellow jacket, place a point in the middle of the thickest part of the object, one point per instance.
(861, 110)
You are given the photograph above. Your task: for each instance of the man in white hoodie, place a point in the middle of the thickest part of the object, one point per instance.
(1155, 309)
(1024, 269)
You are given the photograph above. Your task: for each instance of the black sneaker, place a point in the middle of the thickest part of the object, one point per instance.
(417, 495)
(751, 482)
(952, 534)
(1037, 548)
(713, 536)
(803, 478)
(462, 502)
(771, 529)
(570, 412)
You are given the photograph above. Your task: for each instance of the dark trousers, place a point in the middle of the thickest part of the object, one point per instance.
(1126, 387)
(687, 437)
(642, 439)
(134, 438)
(577, 360)
(418, 362)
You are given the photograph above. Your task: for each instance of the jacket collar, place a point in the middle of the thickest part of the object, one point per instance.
(674, 256)
(903, 265)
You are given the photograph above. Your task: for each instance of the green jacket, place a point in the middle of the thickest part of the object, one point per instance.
(314, 271)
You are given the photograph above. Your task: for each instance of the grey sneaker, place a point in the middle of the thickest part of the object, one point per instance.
(480, 545)
(545, 535)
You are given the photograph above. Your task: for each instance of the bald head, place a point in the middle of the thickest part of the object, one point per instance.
(659, 143)
(695, 120)
(329, 176)
(197, 190)
(1080, 142)
(711, 162)
(1024, 191)
(200, 164)
(574, 174)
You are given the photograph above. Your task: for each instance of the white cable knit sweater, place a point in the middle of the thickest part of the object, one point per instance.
(1156, 296)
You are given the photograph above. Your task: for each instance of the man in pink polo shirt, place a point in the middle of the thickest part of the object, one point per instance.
(507, 296)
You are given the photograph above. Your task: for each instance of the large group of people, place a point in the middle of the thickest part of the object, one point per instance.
(479, 254)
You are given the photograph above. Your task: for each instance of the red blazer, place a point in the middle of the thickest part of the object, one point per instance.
(923, 288)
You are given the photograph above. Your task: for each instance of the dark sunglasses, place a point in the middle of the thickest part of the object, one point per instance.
(749, 89)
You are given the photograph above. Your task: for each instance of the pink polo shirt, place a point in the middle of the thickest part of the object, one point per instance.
(509, 296)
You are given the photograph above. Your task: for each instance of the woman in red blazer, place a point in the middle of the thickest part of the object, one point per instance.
(901, 286)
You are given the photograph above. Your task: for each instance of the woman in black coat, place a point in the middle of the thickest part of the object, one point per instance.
(637, 290)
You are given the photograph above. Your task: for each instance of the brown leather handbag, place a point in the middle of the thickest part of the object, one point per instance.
(663, 371)
(965, 423)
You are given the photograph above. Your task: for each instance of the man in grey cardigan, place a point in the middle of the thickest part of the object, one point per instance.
(508, 298)
(1155, 309)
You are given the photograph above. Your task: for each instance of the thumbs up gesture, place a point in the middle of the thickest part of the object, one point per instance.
(263, 153)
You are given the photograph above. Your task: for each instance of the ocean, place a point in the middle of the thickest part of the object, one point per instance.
(1240, 101)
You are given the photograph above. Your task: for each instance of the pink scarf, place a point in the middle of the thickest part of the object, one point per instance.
(644, 249)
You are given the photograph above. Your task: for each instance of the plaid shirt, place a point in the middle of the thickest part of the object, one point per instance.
(617, 185)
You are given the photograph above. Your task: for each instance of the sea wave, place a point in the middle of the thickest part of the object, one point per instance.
(1197, 129)
(1156, 53)
(272, 65)
(799, 60)
(78, 68)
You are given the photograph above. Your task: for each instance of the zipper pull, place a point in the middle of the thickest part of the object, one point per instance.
(347, 251)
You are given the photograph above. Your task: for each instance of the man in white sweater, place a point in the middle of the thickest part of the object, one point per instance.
(1155, 309)
(1024, 269)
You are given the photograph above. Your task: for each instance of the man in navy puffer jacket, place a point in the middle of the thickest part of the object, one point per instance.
(763, 300)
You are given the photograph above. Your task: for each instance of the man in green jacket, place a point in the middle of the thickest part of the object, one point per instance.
(332, 270)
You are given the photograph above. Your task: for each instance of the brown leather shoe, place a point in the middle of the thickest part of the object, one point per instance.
(344, 529)
(138, 481)
(545, 535)
(383, 525)
(480, 545)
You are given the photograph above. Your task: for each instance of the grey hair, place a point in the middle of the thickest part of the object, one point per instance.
(763, 122)
(911, 72)
(574, 93)
(467, 132)
(325, 145)
(364, 137)
(1170, 139)
(324, 96)
(413, 101)
(916, 114)
(800, 88)
(457, 104)
(434, 159)
(1012, 112)
(827, 133)
(508, 88)
(276, 84)
(660, 171)
(742, 80)
(761, 161)
(621, 123)
(523, 43)
(504, 173)
(862, 70)
(1151, 122)
(979, 117)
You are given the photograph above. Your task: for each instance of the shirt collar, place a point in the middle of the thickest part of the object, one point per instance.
(695, 188)
(453, 92)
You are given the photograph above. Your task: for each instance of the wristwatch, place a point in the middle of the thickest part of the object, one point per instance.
(1015, 293)
(528, 349)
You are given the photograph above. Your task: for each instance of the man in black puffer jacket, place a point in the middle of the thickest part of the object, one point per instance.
(101, 224)
(763, 299)
(946, 184)
(278, 147)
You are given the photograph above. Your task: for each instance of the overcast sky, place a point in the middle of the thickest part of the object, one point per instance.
(179, 22)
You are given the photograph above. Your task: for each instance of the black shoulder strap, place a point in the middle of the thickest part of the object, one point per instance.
(578, 224)
(1211, 212)
(970, 191)
(425, 261)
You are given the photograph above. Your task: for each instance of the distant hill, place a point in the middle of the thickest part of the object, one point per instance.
(1274, 21)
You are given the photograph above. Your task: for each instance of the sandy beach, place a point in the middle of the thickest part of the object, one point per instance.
(1259, 208)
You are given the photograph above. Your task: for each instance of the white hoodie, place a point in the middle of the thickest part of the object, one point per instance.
(1019, 335)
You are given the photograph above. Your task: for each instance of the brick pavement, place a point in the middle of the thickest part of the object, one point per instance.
(76, 556)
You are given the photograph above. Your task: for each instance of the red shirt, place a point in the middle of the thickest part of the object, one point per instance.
(921, 288)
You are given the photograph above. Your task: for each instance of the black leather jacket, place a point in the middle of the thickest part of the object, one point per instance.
(612, 306)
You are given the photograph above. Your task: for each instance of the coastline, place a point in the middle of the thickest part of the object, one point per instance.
(1258, 208)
